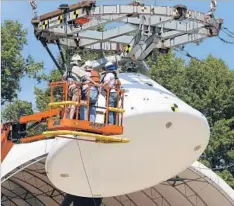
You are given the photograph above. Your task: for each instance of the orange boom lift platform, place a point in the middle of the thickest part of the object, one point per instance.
(58, 124)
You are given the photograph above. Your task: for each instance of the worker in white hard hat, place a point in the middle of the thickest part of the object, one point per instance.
(76, 59)
(90, 81)
(73, 77)
(77, 71)
(76, 75)
(109, 81)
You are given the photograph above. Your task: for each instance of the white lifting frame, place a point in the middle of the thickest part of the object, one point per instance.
(141, 28)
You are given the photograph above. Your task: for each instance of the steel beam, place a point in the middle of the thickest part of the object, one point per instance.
(22, 167)
(172, 40)
(132, 26)
(183, 39)
(163, 198)
(109, 35)
(156, 27)
(21, 186)
(92, 37)
(142, 48)
(125, 10)
(94, 22)
(9, 199)
(18, 196)
(148, 20)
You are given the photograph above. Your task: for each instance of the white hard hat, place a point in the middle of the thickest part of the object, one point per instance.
(75, 59)
(88, 64)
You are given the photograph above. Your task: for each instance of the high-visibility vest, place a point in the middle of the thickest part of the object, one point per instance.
(94, 75)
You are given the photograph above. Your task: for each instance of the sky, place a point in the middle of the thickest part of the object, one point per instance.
(21, 10)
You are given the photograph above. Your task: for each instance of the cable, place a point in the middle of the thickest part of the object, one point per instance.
(230, 35)
(225, 41)
(86, 172)
(191, 57)
(33, 4)
(228, 30)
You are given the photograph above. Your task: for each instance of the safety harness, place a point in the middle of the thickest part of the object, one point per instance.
(113, 72)
(117, 81)
(94, 75)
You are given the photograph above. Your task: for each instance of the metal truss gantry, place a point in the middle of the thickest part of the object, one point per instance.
(138, 29)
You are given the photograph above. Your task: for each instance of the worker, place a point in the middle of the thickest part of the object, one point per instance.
(73, 77)
(109, 81)
(90, 80)
(76, 75)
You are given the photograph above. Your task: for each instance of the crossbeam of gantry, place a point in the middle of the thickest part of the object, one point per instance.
(122, 34)
(151, 17)
(163, 42)
(118, 35)
(141, 29)
(110, 13)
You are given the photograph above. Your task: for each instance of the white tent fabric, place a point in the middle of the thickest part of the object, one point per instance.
(196, 186)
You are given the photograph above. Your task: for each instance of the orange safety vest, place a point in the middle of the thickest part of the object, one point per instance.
(94, 75)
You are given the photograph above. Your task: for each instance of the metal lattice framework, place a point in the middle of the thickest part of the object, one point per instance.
(138, 29)
(31, 186)
(181, 186)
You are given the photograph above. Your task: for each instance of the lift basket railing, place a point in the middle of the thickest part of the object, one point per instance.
(66, 103)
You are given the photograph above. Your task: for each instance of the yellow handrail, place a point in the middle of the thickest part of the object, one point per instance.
(113, 109)
(96, 136)
(56, 104)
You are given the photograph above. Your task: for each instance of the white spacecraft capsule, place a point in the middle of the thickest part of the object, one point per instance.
(166, 137)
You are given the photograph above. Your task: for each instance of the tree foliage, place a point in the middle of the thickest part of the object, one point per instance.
(15, 110)
(207, 86)
(14, 66)
(43, 95)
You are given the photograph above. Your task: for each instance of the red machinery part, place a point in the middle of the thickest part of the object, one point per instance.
(81, 20)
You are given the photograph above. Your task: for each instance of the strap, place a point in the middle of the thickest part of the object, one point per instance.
(75, 76)
(113, 72)
(102, 80)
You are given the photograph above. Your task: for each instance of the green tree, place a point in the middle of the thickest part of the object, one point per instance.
(14, 66)
(227, 177)
(43, 95)
(207, 86)
(167, 71)
(18, 108)
(219, 154)
(15, 110)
